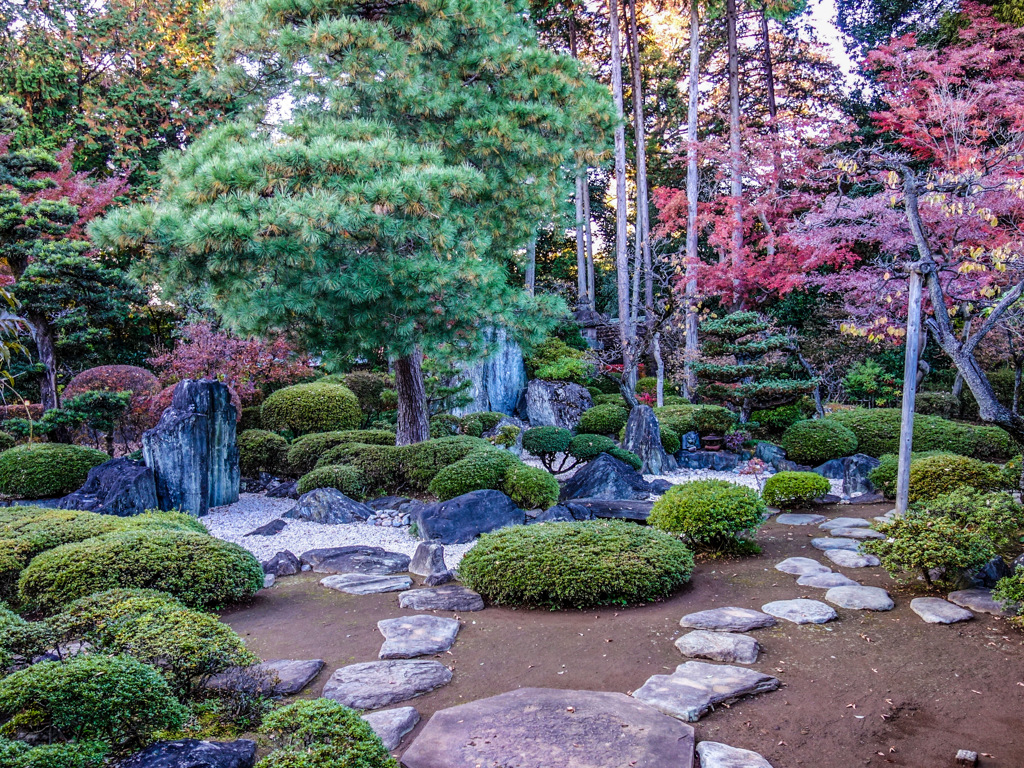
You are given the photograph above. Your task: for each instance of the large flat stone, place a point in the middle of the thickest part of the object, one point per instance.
(857, 533)
(450, 597)
(935, 610)
(696, 686)
(422, 635)
(715, 755)
(192, 753)
(845, 522)
(392, 724)
(977, 600)
(826, 543)
(278, 677)
(465, 517)
(377, 684)
(730, 619)
(847, 559)
(860, 598)
(826, 580)
(802, 566)
(586, 509)
(545, 728)
(800, 611)
(728, 647)
(362, 584)
(788, 518)
(356, 559)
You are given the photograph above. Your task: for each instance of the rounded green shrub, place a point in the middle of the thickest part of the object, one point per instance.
(816, 441)
(541, 440)
(785, 489)
(20, 638)
(589, 447)
(261, 451)
(703, 419)
(613, 399)
(116, 699)
(317, 407)
(944, 404)
(343, 477)
(935, 475)
(626, 456)
(671, 440)
(482, 469)
(475, 424)
(250, 419)
(530, 487)
(445, 425)
(710, 514)
(773, 422)
(201, 571)
(41, 470)
(576, 565)
(380, 466)
(369, 388)
(309, 450)
(603, 420)
(321, 733)
(917, 543)
(6, 441)
(883, 477)
(420, 462)
(81, 754)
(648, 385)
(1009, 593)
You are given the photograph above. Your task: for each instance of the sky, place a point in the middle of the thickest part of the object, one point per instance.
(823, 18)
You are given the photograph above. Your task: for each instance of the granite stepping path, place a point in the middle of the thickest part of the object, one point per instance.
(392, 724)
(728, 647)
(826, 580)
(789, 518)
(845, 522)
(277, 677)
(802, 566)
(935, 610)
(715, 755)
(800, 611)
(730, 619)
(696, 686)
(860, 598)
(450, 597)
(363, 584)
(422, 635)
(846, 559)
(977, 600)
(827, 543)
(377, 684)
(857, 533)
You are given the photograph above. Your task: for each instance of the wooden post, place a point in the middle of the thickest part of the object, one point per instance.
(909, 388)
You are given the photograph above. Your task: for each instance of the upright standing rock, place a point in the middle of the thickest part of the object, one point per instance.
(643, 437)
(193, 451)
(556, 403)
(496, 382)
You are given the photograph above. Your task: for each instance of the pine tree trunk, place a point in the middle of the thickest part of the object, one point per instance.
(735, 152)
(582, 297)
(413, 419)
(42, 335)
(660, 370)
(531, 266)
(643, 215)
(769, 71)
(690, 317)
(588, 237)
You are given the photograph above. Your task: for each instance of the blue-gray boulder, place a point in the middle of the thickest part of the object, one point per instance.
(465, 517)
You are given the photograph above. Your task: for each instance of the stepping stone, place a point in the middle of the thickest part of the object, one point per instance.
(279, 677)
(826, 580)
(800, 611)
(715, 755)
(729, 647)
(845, 522)
(696, 686)
(727, 620)
(392, 724)
(422, 635)
(789, 518)
(977, 600)
(860, 598)
(363, 584)
(826, 544)
(545, 728)
(355, 559)
(935, 610)
(377, 684)
(450, 597)
(847, 559)
(857, 533)
(802, 566)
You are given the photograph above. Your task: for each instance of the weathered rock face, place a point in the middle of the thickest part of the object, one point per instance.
(497, 382)
(606, 478)
(720, 461)
(509, 421)
(329, 506)
(119, 487)
(284, 563)
(193, 451)
(769, 453)
(588, 509)
(855, 473)
(465, 517)
(834, 469)
(556, 403)
(192, 753)
(428, 560)
(357, 558)
(643, 437)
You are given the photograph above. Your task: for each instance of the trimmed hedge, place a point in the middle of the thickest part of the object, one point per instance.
(883, 477)
(530, 487)
(773, 422)
(671, 440)
(309, 450)
(343, 477)
(262, 451)
(477, 471)
(317, 407)
(201, 571)
(589, 447)
(81, 754)
(710, 514)
(321, 733)
(816, 441)
(540, 440)
(576, 565)
(944, 404)
(703, 419)
(603, 420)
(934, 476)
(794, 488)
(42, 470)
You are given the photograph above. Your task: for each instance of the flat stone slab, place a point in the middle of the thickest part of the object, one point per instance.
(727, 620)
(410, 636)
(977, 600)
(827, 543)
(860, 598)
(935, 610)
(364, 584)
(789, 518)
(696, 686)
(846, 559)
(715, 755)
(278, 677)
(450, 597)
(800, 611)
(545, 728)
(377, 684)
(857, 533)
(728, 647)
(356, 559)
(826, 580)
(392, 724)
(802, 566)
(845, 522)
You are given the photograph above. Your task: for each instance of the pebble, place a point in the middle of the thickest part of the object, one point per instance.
(802, 566)
(364, 584)
(727, 620)
(846, 559)
(800, 611)
(827, 543)
(696, 686)
(728, 647)
(935, 610)
(860, 598)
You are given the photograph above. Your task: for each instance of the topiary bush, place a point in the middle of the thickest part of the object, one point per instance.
(794, 488)
(203, 572)
(262, 451)
(41, 470)
(935, 475)
(557, 361)
(589, 447)
(477, 471)
(321, 733)
(773, 422)
(345, 478)
(671, 440)
(304, 408)
(475, 424)
(703, 419)
(883, 477)
(816, 441)
(421, 462)
(310, 450)
(710, 514)
(530, 487)
(603, 420)
(626, 456)
(576, 565)
(445, 425)
(369, 388)
(115, 699)
(613, 399)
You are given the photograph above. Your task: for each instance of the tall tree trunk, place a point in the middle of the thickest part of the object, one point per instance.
(659, 370)
(588, 237)
(413, 419)
(42, 335)
(735, 151)
(690, 317)
(531, 266)
(582, 286)
(769, 71)
(643, 213)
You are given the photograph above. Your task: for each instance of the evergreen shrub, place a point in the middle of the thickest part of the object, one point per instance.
(813, 442)
(309, 450)
(530, 487)
(81, 754)
(262, 451)
(918, 543)
(671, 441)
(317, 407)
(41, 470)
(934, 476)
(710, 514)
(785, 489)
(603, 420)
(589, 447)
(321, 733)
(482, 469)
(626, 456)
(773, 422)
(703, 419)
(1009, 593)
(343, 477)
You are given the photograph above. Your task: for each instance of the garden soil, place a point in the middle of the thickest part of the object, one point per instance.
(871, 689)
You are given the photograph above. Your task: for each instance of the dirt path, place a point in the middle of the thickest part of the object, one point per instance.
(871, 689)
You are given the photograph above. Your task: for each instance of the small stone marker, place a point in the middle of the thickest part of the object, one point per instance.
(715, 755)
(846, 559)
(977, 600)
(409, 636)
(935, 610)
(800, 611)
(966, 757)
(450, 597)
(728, 647)
(362, 584)
(827, 543)
(377, 684)
(845, 522)
(727, 620)
(392, 724)
(860, 598)
(428, 559)
(695, 687)
(802, 566)
(857, 533)
(788, 518)
(826, 580)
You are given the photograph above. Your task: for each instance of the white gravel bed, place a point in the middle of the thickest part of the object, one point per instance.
(252, 510)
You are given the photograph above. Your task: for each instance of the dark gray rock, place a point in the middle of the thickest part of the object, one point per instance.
(660, 486)
(872, 497)
(785, 465)
(615, 510)
(284, 563)
(365, 584)
(769, 453)
(559, 513)
(833, 469)
(119, 487)
(696, 686)
(465, 517)
(845, 522)
(283, 489)
(393, 503)
(428, 560)
(328, 506)
(392, 724)
(356, 559)
(689, 442)
(556, 403)
(828, 498)
(855, 473)
(439, 578)
(643, 437)
(272, 528)
(193, 451)
(606, 478)
(719, 461)
(448, 598)
(278, 677)
(192, 753)
(377, 684)
(987, 575)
